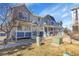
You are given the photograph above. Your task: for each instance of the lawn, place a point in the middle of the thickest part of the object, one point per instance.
(45, 49)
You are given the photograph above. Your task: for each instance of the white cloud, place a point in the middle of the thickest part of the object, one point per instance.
(65, 15)
(75, 5)
(49, 10)
(64, 9)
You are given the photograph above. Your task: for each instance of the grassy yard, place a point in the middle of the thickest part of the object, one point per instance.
(44, 50)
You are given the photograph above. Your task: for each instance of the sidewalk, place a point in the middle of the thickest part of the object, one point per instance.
(9, 45)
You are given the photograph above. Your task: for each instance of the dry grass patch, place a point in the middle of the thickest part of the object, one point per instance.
(44, 50)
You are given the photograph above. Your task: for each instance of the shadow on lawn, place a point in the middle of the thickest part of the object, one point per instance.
(13, 50)
(10, 51)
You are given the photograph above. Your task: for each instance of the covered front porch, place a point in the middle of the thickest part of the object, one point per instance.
(52, 30)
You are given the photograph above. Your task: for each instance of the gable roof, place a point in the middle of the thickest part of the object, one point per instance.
(51, 19)
(24, 8)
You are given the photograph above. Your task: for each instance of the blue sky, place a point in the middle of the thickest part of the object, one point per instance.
(60, 11)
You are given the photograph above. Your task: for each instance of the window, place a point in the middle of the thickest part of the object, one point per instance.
(2, 34)
(19, 28)
(20, 34)
(22, 15)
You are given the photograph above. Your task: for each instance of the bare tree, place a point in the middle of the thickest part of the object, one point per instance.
(7, 23)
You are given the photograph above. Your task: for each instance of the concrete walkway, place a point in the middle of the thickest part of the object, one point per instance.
(9, 45)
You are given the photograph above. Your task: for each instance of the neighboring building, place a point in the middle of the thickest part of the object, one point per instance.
(29, 25)
(75, 20)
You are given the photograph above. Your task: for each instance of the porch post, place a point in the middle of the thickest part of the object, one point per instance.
(16, 35)
(31, 32)
(44, 34)
(53, 31)
(47, 31)
(38, 38)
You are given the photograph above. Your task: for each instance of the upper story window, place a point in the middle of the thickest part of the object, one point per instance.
(22, 15)
(19, 28)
